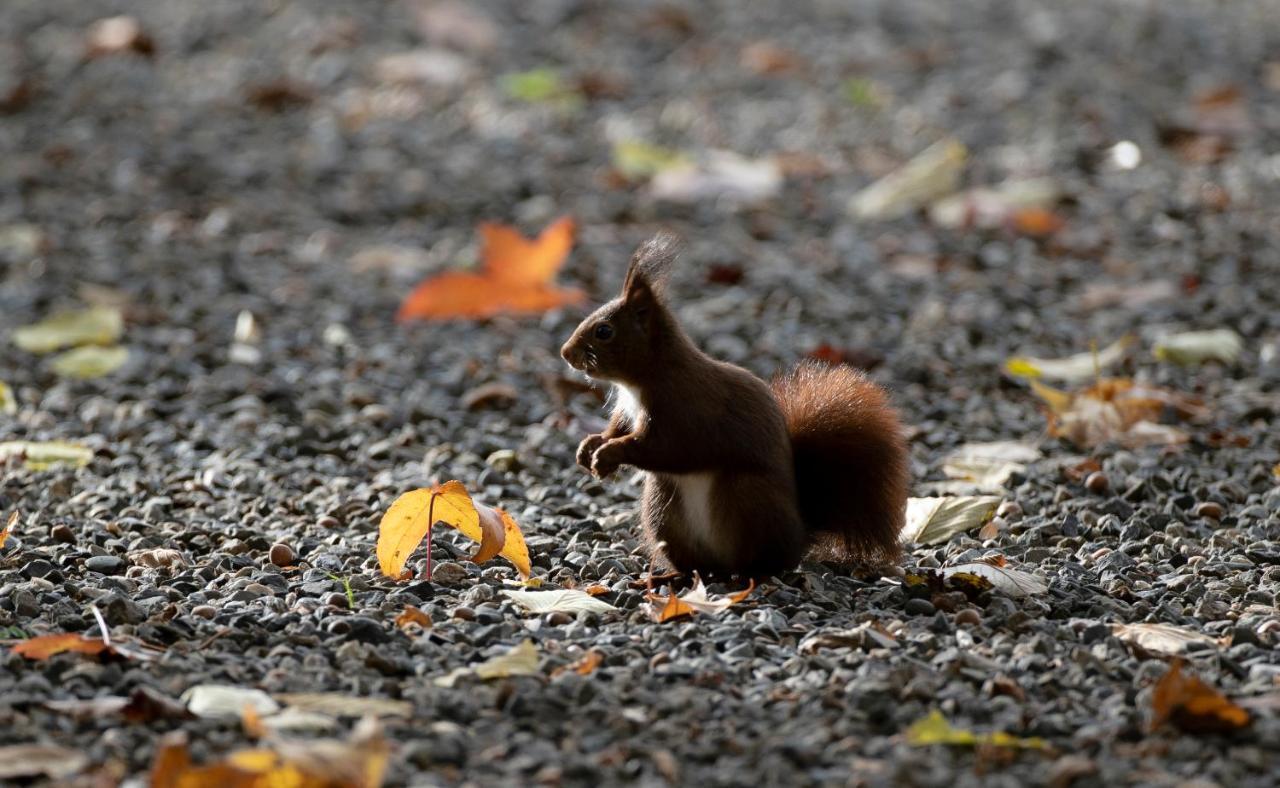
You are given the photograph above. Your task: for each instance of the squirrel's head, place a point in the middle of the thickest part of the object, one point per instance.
(619, 341)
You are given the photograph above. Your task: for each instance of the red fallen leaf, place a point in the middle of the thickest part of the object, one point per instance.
(46, 646)
(724, 274)
(515, 276)
(1036, 222)
(583, 666)
(8, 527)
(1194, 706)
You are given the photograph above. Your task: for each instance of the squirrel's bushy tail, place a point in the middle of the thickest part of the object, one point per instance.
(851, 460)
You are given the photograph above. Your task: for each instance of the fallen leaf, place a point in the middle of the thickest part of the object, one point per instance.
(857, 357)
(423, 67)
(1017, 204)
(8, 527)
(1194, 706)
(934, 729)
(637, 160)
(142, 706)
(46, 646)
(93, 326)
(50, 761)
(865, 636)
(158, 558)
(933, 173)
(584, 666)
(567, 601)
(596, 589)
(410, 517)
(719, 175)
(277, 95)
(541, 86)
(336, 704)
(221, 701)
(1119, 410)
(521, 660)
(768, 59)
(42, 455)
(1197, 347)
(1013, 582)
(1073, 369)
(8, 402)
(1164, 639)
(936, 520)
(489, 395)
(516, 276)
(359, 762)
(987, 466)
(116, 35)
(695, 600)
(413, 617)
(862, 92)
(1101, 295)
(90, 361)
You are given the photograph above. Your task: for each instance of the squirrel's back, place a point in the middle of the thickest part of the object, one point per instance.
(851, 460)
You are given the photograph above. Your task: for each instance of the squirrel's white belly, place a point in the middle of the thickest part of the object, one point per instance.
(695, 503)
(627, 403)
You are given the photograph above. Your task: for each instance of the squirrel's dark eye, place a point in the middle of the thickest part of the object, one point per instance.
(603, 332)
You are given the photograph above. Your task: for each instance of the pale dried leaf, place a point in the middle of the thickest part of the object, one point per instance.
(1197, 347)
(225, 701)
(96, 325)
(1013, 582)
(335, 704)
(935, 520)
(719, 175)
(988, 466)
(8, 402)
(89, 361)
(521, 660)
(1072, 369)
(995, 206)
(865, 636)
(42, 455)
(567, 601)
(932, 174)
(26, 761)
(1161, 638)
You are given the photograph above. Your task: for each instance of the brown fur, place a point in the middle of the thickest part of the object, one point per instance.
(703, 423)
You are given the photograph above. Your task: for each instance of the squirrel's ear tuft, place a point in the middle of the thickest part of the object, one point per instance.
(651, 265)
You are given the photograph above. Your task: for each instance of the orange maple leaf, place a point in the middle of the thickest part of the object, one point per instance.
(515, 276)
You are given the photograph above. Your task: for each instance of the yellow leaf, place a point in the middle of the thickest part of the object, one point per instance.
(90, 361)
(97, 325)
(8, 402)
(410, 518)
(521, 660)
(42, 455)
(1073, 369)
(934, 729)
(636, 160)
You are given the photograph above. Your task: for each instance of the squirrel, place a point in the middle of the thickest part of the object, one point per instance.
(742, 477)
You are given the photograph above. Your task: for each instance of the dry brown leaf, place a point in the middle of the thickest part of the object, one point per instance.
(24, 761)
(1194, 706)
(143, 705)
(360, 762)
(408, 521)
(694, 600)
(595, 589)
(1117, 410)
(8, 527)
(46, 646)
(583, 666)
(516, 275)
(412, 616)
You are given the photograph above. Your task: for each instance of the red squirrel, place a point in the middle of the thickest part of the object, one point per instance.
(742, 477)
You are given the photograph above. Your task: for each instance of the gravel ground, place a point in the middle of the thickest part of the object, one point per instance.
(253, 161)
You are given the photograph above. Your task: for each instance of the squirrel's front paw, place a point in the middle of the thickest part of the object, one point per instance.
(587, 449)
(606, 460)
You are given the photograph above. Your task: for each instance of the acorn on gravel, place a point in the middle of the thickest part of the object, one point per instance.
(282, 555)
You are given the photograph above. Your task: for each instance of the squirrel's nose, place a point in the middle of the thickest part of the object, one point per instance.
(567, 353)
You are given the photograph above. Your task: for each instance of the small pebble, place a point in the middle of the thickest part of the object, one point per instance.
(968, 617)
(62, 534)
(336, 599)
(1097, 482)
(204, 611)
(919, 607)
(1009, 510)
(1208, 510)
(282, 555)
(463, 613)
